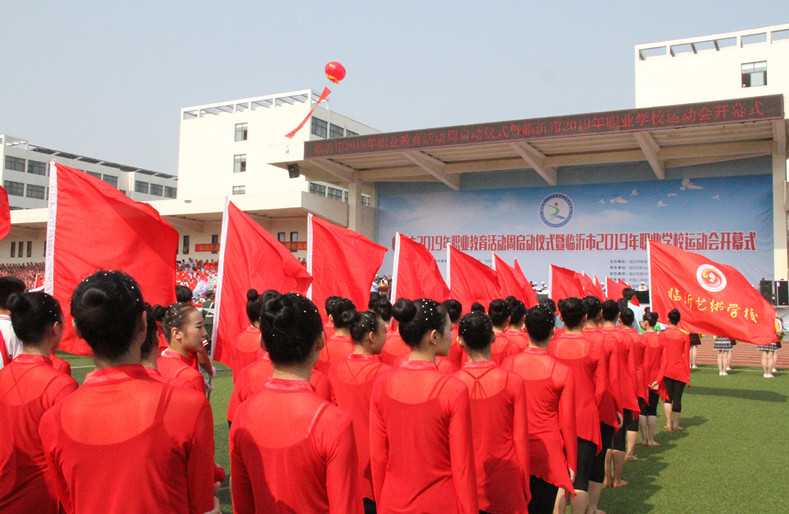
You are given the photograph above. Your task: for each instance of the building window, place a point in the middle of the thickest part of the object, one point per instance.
(239, 190)
(20, 249)
(319, 127)
(281, 237)
(169, 192)
(241, 131)
(94, 174)
(334, 193)
(37, 168)
(214, 241)
(186, 245)
(157, 189)
(110, 179)
(14, 163)
(294, 237)
(754, 74)
(38, 192)
(140, 187)
(30, 248)
(317, 189)
(240, 163)
(335, 131)
(13, 248)
(350, 133)
(14, 188)
(366, 200)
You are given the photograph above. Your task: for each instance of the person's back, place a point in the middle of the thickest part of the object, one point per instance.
(245, 350)
(654, 362)
(29, 386)
(180, 370)
(125, 442)
(585, 360)
(352, 381)
(550, 401)
(500, 432)
(394, 348)
(420, 441)
(291, 451)
(337, 348)
(676, 345)
(628, 397)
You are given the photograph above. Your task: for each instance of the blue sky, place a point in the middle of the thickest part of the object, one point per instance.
(108, 80)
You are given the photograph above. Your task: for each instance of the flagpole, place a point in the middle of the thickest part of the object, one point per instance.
(52, 211)
(220, 275)
(449, 269)
(309, 253)
(395, 268)
(649, 270)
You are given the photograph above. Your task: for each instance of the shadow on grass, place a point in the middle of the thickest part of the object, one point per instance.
(746, 394)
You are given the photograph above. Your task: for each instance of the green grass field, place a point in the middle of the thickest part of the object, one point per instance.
(732, 456)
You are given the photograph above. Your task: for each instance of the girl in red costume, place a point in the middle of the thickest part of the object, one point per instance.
(246, 346)
(30, 385)
(635, 362)
(421, 452)
(352, 382)
(184, 331)
(654, 369)
(291, 450)
(126, 442)
(550, 402)
(677, 374)
(499, 311)
(498, 421)
(517, 319)
(338, 345)
(587, 362)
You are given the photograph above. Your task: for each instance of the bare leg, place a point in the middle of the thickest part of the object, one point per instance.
(642, 424)
(667, 412)
(632, 437)
(651, 426)
(676, 426)
(766, 367)
(609, 471)
(619, 464)
(580, 502)
(560, 507)
(595, 489)
(693, 356)
(773, 361)
(728, 360)
(722, 363)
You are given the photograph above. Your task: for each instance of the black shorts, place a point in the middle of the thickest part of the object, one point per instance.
(651, 407)
(674, 389)
(543, 496)
(586, 454)
(598, 468)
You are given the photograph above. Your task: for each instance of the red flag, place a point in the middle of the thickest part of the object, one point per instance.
(38, 282)
(565, 284)
(613, 289)
(712, 298)
(342, 263)
(598, 288)
(416, 274)
(471, 281)
(587, 284)
(93, 226)
(625, 285)
(529, 294)
(5, 214)
(512, 282)
(249, 257)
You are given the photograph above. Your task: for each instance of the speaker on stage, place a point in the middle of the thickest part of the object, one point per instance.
(766, 289)
(781, 292)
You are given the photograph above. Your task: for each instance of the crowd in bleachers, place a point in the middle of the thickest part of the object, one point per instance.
(26, 272)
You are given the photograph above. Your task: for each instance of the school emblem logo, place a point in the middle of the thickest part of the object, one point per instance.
(556, 210)
(710, 278)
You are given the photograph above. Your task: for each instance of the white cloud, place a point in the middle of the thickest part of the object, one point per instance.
(634, 193)
(618, 199)
(688, 184)
(661, 203)
(602, 201)
(672, 194)
(716, 197)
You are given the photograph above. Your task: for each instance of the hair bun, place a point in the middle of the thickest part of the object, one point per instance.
(18, 303)
(158, 312)
(404, 310)
(349, 317)
(252, 295)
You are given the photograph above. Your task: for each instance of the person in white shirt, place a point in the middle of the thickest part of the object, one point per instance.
(628, 294)
(9, 285)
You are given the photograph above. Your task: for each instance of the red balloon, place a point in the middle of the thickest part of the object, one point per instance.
(335, 72)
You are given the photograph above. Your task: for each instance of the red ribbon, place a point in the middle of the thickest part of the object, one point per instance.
(323, 96)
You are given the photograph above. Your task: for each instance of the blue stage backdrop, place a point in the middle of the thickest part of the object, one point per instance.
(596, 228)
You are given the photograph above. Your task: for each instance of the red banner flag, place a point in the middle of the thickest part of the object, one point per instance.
(249, 257)
(712, 298)
(416, 274)
(512, 282)
(342, 263)
(565, 284)
(5, 214)
(613, 289)
(471, 281)
(600, 294)
(94, 226)
(529, 294)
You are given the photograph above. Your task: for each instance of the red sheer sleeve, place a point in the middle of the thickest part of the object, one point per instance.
(461, 451)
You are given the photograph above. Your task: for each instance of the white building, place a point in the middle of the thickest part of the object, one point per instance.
(225, 148)
(720, 66)
(25, 174)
